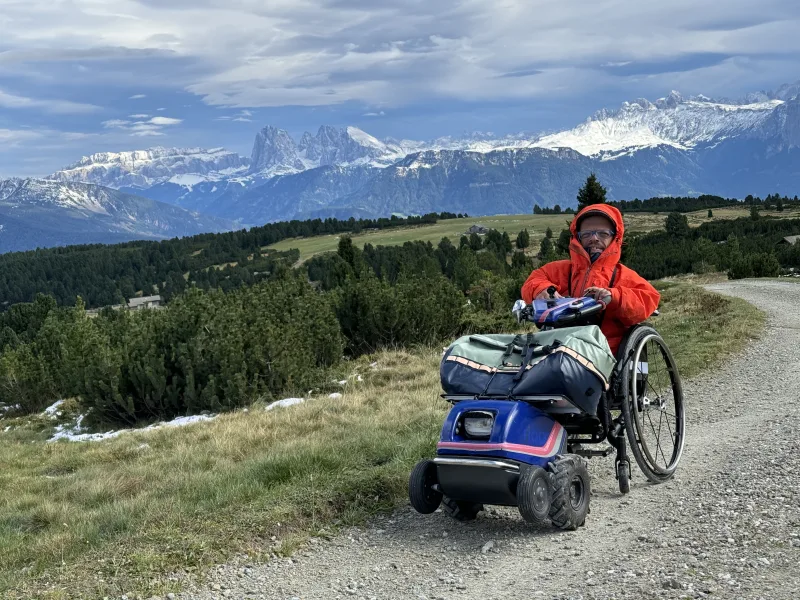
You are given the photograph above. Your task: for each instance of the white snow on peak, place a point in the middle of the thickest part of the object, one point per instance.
(144, 168)
(187, 180)
(670, 121)
(365, 139)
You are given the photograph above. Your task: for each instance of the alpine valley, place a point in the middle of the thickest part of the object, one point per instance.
(673, 146)
(40, 213)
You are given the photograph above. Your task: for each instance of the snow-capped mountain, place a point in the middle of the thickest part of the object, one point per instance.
(39, 213)
(672, 121)
(276, 153)
(673, 145)
(145, 168)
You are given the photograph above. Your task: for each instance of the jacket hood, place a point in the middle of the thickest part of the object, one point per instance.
(609, 212)
(610, 255)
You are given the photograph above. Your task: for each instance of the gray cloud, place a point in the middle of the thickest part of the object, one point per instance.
(44, 137)
(248, 53)
(140, 128)
(45, 105)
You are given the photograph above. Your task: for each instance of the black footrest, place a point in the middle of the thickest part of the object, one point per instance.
(586, 452)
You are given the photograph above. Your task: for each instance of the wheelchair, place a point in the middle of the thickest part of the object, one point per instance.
(644, 406)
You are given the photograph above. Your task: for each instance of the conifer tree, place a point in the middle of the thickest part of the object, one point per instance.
(523, 239)
(546, 248)
(591, 193)
(677, 225)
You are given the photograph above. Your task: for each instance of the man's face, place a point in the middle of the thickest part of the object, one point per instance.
(602, 237)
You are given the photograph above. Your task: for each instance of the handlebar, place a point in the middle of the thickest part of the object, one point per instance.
(554, 312)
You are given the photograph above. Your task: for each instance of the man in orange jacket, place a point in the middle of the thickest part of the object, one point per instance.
(594, 270)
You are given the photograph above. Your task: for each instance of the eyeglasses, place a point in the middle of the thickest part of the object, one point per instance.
(602, 234)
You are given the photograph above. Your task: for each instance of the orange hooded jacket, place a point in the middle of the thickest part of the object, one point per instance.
(633, 299)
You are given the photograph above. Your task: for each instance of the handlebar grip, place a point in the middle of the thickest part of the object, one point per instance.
(551, 291)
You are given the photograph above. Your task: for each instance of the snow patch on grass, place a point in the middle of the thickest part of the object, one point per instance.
(77, 433)
(286, 402)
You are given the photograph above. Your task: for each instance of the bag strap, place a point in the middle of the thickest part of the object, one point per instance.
(527, 351)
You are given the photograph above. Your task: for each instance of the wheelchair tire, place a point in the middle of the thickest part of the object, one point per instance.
(658, 462)
(461, 511)
(421, 494)
(534, 496)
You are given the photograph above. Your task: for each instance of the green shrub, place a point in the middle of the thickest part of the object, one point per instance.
(26, 384)
(209, 351)
(373, 314)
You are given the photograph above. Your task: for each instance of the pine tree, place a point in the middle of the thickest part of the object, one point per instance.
(591, 193)
(507, 247)
(779, 205)
(677, 225)
(754, 214)
(546, 249)
(548, 234)
(710, 213)
(475, 241)
(520, 262)
(466, 270)
(564, 239)
(523, 239)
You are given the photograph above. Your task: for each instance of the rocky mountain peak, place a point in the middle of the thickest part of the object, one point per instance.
(274, 150)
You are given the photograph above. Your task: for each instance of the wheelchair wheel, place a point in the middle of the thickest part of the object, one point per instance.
(653, 404)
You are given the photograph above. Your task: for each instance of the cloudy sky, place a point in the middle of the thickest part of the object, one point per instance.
(82, 76)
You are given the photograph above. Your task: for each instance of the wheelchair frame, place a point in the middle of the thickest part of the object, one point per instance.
(622, 396)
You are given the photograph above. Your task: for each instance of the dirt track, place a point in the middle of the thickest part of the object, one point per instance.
(727, 526)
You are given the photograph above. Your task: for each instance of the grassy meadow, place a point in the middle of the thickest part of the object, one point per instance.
(513, 224)
(88, 520)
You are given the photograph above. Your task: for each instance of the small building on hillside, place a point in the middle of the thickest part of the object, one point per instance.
(144, 302)
(790, 240)
(479, 229)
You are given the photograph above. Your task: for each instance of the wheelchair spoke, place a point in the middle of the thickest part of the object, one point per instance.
(658, 437)
(660, 420)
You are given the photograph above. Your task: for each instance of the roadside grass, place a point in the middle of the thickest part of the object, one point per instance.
(88, 520)
(702, 328)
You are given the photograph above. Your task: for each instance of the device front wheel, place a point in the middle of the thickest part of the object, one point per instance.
(534, 496)
(423, 496)
(571, 491)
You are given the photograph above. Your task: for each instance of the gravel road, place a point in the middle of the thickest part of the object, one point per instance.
(727, 526)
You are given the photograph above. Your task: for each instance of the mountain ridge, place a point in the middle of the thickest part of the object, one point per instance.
(40, 213)
(674, 145)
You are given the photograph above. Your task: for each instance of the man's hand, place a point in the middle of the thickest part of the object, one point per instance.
(600, 294)
(543, 295)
